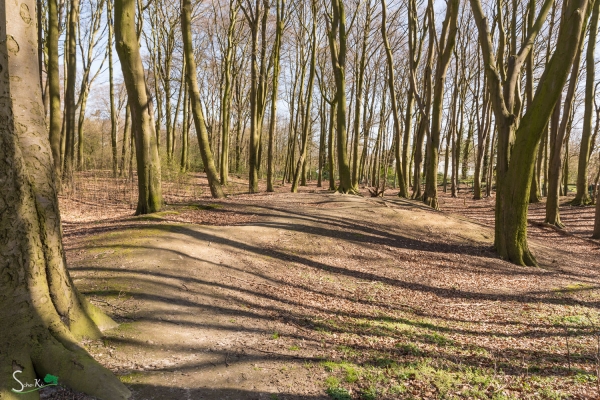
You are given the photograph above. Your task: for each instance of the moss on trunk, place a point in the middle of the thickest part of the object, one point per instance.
(43, 315)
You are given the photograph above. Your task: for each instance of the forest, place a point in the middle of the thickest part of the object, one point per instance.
(299, 199)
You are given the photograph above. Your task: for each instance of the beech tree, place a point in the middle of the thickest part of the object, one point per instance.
(53, 78)
(582, 197)
(337, 34)
(518, 138)
(196, 107)
(394, 103)
(445, 49)
(43, 314)
(140, 106)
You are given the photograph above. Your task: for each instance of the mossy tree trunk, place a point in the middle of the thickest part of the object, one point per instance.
(423, 102)
(330, 147)
(185, 138)
(54, 84)
(306, 123)
(196, 107)
(596, 234)
(234, 6)
(71, 77)
(559, 135)
(43, 315)
(256, 15)
(111, 89)
(336, 32)
(445, 49)
(276, 55)
(395, 112)
(359, 99)
(582, 197)
(140, 106)
(552, 215)
(517, 146)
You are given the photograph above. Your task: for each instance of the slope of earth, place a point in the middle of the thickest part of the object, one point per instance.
(310, 296)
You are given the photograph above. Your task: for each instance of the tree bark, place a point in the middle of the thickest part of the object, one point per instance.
(226, 98)
(43, 314)
(306, 124)
(140, 105)
(338, 49)
(203, 142)
(70, 106)
(53, 76)
(280, 24)
(111, 88)
(395, 112)
(446, 44)
(582, 197)
(515, 169)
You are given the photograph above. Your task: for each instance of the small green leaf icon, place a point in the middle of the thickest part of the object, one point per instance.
(51, 379)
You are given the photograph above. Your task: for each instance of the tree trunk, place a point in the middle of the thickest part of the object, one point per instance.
(395, 112)
(447, 42)
(70, 106)
(359, 94)
(53, 77)
(205, 152)
(582, 197)
(515, 170)
(337, 46)
(126, 140)
(330, 147)
(226, 98)
(321, 162)
(111, 86)
(185, 138)
(140, 104)
(280, 24)
(552, 202)
(596, 234)
(43, 314)
(306, 123)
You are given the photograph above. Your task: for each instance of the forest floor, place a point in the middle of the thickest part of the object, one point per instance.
(317, 296)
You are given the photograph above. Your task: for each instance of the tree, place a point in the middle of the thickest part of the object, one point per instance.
(88, 39)
(359, 98)
(395, 112)
(276, 56)
(445, 48)
(42, 312)
(306, 123)
(70, 105)
(257, 20)
(582, 197)
(558, 139)
(518, 138)
(192, 82)
(140, 106)
(596, 234)
(111, 89)
(336, 32)
(54, 84)
(234, 6)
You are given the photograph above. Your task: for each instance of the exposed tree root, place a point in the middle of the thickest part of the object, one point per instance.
(581, 202)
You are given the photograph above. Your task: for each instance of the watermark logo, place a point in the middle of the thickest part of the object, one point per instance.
(49, 380)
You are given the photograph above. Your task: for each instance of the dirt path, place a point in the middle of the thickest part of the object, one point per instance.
(316, 296)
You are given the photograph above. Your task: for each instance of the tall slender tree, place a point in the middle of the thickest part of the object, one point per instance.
(140, 106)
(199, 122)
